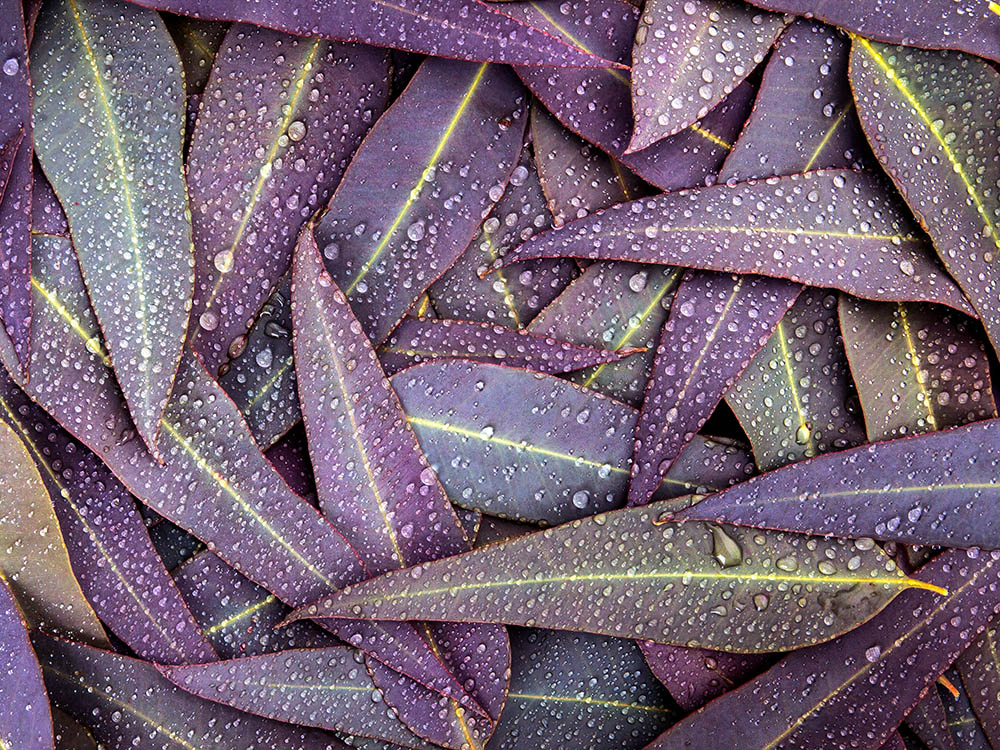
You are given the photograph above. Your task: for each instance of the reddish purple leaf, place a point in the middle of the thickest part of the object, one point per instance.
(417, 340)
(834, 695)
(928, 721)
(980, 674)
(688, 57)
(596, 103)
(110, 551)
(692, 584)
(420, 185)
(936, 488)
(473, 30)
(290, 456)
(375, 485)
(15, 179)
(326, 688)
(835, 228)
(717, 324)
(126, 703)
(262, 161)
(967, 25)
(25, 721)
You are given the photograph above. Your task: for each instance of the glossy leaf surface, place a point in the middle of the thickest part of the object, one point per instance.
(116, 166)
(265, 159)
(689, 584)
(453, 138)
(946, 125)
(24, 721)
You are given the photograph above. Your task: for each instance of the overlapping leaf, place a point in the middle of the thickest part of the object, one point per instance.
(419, 186)
(929, 722)
(621, 574)
(264, 160)
(24, 720)
(832, 695)
(833, 228)
(447, 28)
(109, 123)
(15, 179)
(688, 57)
(376, 486)
(945, 120)
(126, 702)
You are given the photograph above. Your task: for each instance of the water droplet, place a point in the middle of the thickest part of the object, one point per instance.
(725, 549)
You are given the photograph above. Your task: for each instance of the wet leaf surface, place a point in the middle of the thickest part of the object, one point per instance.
(688, 584)
(111, 158)
(25, 720)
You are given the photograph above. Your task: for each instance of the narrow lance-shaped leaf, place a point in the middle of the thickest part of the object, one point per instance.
(33, 558)
(326, 688)
(575, 689)
(929, 723)
(963, 721)
(688, 57)
(263, 161)
(833, 228)
(108, 545)
(917, 367)
(15, 179)
(375, 484)
(416, 191)
(109, 125)
(833, 695)
(417, 340)
(510, 297)
(937, 489)
(979, 667)
(444, 28)
(969, 25)
(596, 103)
(125, 702)
(942, 111)
(621, 574)
(25, 721)
(215, 482)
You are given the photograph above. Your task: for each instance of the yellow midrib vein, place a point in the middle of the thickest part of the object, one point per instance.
(915, 364)
(828, 135)
(424, 177)
(733, 229)
(886, 491)
(615, 73)
(459, 713)
(126, 192)
(925, 117)
(286, 365)
(200, 461)
(243, 613)
(355, 432)
(40, 459)
(589, 702)
(869, 665)
(264, 172)
(684, 575)
(507, 297)
(114, 700)
(786, 358)
(630, 330)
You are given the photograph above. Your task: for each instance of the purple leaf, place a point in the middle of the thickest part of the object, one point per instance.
(420, 185)
(15, 179)
(833, 695)
(510, 297)
(109, 166)
(417, 340)
(962, 720)
(265, 159)
(692, 584)
(445, 28)
(126, 703)
(928, 721)
(717, 324)
(198, 44)
(375, 485)
(579, 690)
(326, 688)
(967, 25)
(596, 103)
(24, 720)
(927, 489)
(688, 57)
(834, 228)
(215, 483)
(917, 367)
(108, 546)
(944, 108)
(980, 674)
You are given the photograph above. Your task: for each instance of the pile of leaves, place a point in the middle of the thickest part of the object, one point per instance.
(439, 373)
